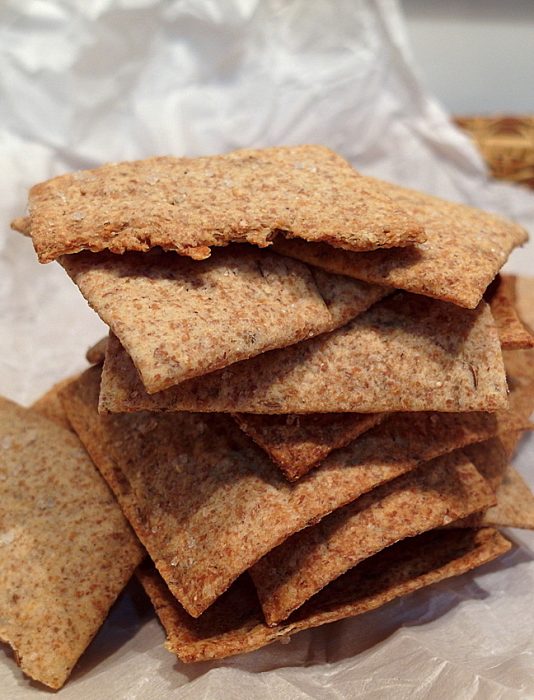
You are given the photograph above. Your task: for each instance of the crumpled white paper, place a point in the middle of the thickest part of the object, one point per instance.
(87, 82)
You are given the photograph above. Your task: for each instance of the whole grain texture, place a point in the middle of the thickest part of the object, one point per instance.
(235, 624)
(191, 204)
(407, 353)
(207, 503)
(66, 549)
(464, 249)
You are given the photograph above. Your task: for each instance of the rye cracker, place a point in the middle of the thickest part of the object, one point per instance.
(235, 625)
(407, 353)
(178, 318)
(207, 503)
(433, 495)
(501, 296)
(464, 249)
(297, 443)
(67, 551)
(50, 405)
(191, 204)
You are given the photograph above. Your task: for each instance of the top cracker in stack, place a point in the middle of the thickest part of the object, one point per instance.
(303, 382)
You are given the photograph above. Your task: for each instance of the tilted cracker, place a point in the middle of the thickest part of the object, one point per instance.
(66, 549)
(50, 405)
(97, 352)
(178, 318)
(515, 503)
(463, 251)
(501, 296)
(235, 625)
(190, 204)
(524, 299)
(297, 443)
(433, 495)
(207, 503)
(407, 353)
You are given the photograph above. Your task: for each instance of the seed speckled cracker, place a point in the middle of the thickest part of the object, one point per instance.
(464, 249)
(407, 353)
(66, 549)
(190, 204)
(515, 504)
(297, 443)
(178, 318)
(207, 503)
(435, 494)
(235, 625)
(501, 296)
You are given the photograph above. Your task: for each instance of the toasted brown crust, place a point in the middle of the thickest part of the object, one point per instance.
(50, 405)
(191, 204)
(297, 443)
(436, 493)
(234, 624)
(67, 551)
(179, 318)
(464, 250)
(501, 296)
(97, 352)
(215, 503)
(407, 353)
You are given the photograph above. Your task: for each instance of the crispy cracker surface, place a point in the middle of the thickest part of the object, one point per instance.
(178, 318)
(191, 204)
(66, 549)
(50, 405)
(235, 625)
(407, 353)
(463, 251)
(96, 353)
(501, 296)
(435, 494)
(297, 443)
(515, 503)
(207, 503)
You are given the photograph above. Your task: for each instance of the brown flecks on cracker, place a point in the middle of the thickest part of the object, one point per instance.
(66, 550)
(207, 503)
(501, 296)
(235, 624)
(178, 318)
(464, 249)
(191, 204)
(435, 494)
(407, 353)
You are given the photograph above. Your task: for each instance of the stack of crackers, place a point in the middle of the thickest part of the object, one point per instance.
(303, 409)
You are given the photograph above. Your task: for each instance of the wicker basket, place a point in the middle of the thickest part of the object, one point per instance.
(507, 144)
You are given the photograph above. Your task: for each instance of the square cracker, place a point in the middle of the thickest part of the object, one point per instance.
(207, 503)
(190, 204)
(178, 318)
(501, 296)
(235, 624)
(463, 251)
(436, 493)
(297, 443)
(407, 353)
(66, 549)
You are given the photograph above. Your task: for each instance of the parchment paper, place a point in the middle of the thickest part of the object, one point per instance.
(86, 82)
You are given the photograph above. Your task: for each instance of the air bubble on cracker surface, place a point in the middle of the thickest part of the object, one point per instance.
(7, 442)
(175, 560)
(46, 503)
(152, 180)
(7, 537)
(78, 216)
